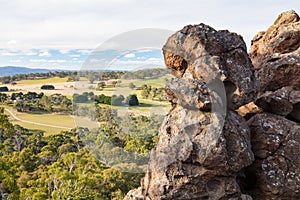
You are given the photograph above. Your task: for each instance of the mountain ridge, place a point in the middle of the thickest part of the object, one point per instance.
(14, 70)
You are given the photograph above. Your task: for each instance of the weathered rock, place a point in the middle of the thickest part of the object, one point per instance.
(200, 52)
(275, 138)
(191, 161)
(275, 174)
(280, 73)
(275, 53)
(187, 167)
(280, 102)
(248, 110)
(202, 145)
(135, 194)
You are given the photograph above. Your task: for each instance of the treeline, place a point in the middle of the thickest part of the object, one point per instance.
(91, 76)
(153, 93)
(60, 166)
(101, 76)
(140, 74)
(146, 73)
(119, 100)
(72, 76)
(37, 102)
(89, 97)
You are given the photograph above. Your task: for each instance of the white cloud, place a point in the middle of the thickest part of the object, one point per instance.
(11, 42)
(130, 55)
(85, 51)
(8, 54)
(30, 53)
(64, 51)
(154, 59)
(74, 55)
(85, 24)
(133, 64)
(144, 50)
(47, 61)
(77, 27)
(44, 54)
(16, 61)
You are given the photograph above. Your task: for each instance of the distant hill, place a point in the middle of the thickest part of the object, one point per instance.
(11, 70)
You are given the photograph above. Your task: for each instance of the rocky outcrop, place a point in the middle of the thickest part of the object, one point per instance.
(275, 174)
(284, 101)
(275, 53)
(206, 150)
(203, 142)
(202, 53)
(275, 133)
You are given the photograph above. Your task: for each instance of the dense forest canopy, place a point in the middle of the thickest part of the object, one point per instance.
(34, 165)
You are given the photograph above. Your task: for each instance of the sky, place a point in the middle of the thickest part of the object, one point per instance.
(61, 34)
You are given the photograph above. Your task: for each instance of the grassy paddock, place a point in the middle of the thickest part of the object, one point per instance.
(47, 130)
(154, 82)
(51, 119)
(43, 81)
(48, 119)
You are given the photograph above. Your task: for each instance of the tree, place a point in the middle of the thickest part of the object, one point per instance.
(91, 78)
(4, 89)
(117, 100)
(17, 96)
(80, 98)
(131, 86)
(3, 97)
(101, 85)
(132, 100)
(46, 103)
(47, 87)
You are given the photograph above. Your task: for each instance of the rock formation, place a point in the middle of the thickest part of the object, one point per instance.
(275, 53)
(275, 133)
(203, 143)
(206, 150)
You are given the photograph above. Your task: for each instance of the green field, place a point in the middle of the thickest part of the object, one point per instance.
(55, 123)
(154, 82)
(47, 130)
(43, 81)
(49, 123)
(51, 119)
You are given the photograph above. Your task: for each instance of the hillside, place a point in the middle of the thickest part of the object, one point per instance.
(12, 70)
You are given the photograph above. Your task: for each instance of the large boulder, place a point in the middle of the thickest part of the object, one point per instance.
(191, 161)
(275, 173)
(203, 142)
(284, 101)
(200, 52)
(275, 53)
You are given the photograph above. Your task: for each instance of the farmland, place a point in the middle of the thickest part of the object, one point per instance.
(53, 123)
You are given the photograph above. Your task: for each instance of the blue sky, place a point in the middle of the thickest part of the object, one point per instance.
(60, 34)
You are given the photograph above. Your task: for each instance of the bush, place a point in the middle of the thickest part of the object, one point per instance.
(78, 98)
(4, 89)
(132, 100)
(47, 87)
(117, 100)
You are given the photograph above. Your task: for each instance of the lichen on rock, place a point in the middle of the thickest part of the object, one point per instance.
(275, 133)
(206, 150)
(203, 143)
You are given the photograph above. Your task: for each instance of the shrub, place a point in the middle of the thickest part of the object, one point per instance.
(132, 100)
(4, 89)
(47, 87)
